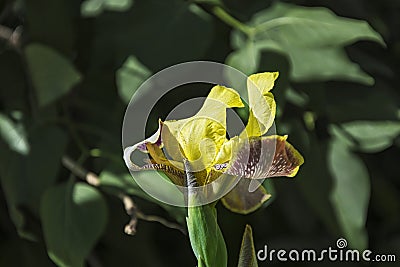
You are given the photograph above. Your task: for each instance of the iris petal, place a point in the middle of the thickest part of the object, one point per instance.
(240, 200)
(261, 102)
(201, 136)
(264, 157)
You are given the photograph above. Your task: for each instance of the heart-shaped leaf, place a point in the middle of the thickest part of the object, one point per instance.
(74, 216)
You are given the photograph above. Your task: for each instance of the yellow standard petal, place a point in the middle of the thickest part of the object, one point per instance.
(261, 102)
(200, 137)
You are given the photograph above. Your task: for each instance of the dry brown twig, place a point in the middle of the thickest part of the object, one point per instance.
(130, 207)
(12, 37)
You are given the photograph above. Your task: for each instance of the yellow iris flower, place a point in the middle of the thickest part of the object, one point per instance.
(202, 140)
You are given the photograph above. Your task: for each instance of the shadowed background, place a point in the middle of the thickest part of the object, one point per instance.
(68, 69)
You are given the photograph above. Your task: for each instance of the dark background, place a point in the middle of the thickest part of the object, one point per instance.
(64, 88)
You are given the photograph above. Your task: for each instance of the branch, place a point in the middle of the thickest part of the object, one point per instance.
(11, 36)
(231, 21)
(130, 207)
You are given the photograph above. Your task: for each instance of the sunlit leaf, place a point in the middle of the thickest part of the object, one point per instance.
(73, 217)
(14, 135)
(91, 8)
(246, 58)
(130, 76)
(372, 136)
(312, 38)
(52, 74)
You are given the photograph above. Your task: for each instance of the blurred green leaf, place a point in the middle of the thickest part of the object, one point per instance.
(52, 74)
(14, 135)
(312, 38)
(246, 58)
(351, 192)
(159, 33)
(123, 182)
(314, 179)
(91, 8)
(372, 136)
(295, 97)
(25, 178)
(74, 215)
(205, 236)
(247, 257)
(130, 76)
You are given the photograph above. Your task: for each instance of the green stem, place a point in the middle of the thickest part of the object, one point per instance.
(231, 21)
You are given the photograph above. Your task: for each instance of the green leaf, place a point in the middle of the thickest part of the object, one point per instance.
(130, 76)
(247, 256)
(246, 59)
(206, 237)
(14, 135)
(25, 178)
(52, 74)
(142, 30)
(91, 8)
(297, 98)
(314, 180)
(74, 216)
(114, 182)
(372, 136)
(350, 193)
(312, 39)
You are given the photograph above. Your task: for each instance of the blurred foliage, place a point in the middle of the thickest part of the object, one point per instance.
(68, 69)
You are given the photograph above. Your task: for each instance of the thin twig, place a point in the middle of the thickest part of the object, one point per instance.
(80, 172)
(153, 218)
(130, 207)
(11, 36)
(131, 210)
